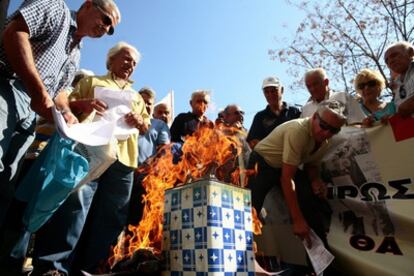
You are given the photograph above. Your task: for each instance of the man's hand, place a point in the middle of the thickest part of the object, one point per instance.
(406, 109)
(88, 106)
(302, 230)
(70, 118)
(134, 119)
(319, 188)
(42, 104)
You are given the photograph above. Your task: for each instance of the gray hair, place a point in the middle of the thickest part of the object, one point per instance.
(117, 48)
(226, 109)
(320, 72)
(201, 92)
(109, 5)
(148, 91)
(333, 106)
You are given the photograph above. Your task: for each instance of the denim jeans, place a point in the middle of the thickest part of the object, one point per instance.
(17, 124)
(86, 225)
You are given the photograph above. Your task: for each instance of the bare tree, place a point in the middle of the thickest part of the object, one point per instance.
(346, 36)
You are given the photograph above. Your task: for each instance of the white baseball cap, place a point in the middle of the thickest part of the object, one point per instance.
(271, 81)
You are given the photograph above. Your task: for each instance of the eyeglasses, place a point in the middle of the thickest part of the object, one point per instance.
(325, 126)
(106, 20)
(371, 83)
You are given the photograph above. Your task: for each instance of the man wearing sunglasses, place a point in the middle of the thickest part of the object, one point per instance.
(38, 59)
(399, 59)
(278, 156)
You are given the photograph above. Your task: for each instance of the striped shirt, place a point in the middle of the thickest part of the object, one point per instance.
(51, 32)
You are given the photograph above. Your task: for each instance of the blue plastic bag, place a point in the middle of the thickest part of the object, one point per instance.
(53, 176)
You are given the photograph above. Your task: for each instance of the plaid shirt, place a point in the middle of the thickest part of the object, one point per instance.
(51, 28)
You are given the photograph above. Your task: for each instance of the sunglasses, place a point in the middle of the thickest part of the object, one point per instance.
(371, 83)
(325, 126)
(106, 20)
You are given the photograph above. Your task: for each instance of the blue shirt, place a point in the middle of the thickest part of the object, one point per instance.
(158, 134)
(56, 55)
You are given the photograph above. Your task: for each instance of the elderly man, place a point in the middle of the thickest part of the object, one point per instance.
(149, 143)
(297, 142)
(234, 116)
(399, 59)
(37, 61)
(317, 83)
(56, 240)
(186, 123)
(277, 112)
(162, 112)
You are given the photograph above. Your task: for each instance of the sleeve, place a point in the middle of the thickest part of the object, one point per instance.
(294, 142)
(164, 135)
(42, 16)
(176, 129)
(254, 129)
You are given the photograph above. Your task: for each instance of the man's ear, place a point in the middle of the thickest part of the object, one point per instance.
(411, 52)
(326, 82)
(282, 89)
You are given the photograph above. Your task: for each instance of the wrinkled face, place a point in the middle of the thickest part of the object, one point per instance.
(149, 102)
(325, 126)
(369, 89)
(233, 115)
(199, 104)
(398, 59)
(123, 63)
(162, 113)
(273, 95)
(99, 20)
(317, 87)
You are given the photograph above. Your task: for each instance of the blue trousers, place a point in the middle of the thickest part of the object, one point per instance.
(17, 124)
(79, 235)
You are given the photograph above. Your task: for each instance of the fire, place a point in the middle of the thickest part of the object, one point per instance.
(208, 151)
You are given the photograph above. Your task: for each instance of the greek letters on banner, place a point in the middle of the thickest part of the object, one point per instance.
(371, 192)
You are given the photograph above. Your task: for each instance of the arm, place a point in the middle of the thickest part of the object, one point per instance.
(318, 186)
(406, 109)
(62, 104)
(300, 227)
(19, 53)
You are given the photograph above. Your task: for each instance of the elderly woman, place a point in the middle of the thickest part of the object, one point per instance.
(99, 209)
(369, 84)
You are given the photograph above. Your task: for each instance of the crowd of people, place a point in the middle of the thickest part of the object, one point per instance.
(39, 69)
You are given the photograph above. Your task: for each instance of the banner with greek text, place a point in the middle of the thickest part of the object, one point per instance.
(371, 192)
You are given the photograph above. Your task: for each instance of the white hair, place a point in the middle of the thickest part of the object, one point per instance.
(117, 48)
(320, 72)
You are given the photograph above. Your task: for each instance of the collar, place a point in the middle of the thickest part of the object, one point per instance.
(73, 26)
(111, 76)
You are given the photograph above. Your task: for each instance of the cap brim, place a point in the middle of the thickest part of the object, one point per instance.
(271, 85)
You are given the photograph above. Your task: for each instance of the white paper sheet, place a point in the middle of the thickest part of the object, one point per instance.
(103, 129)
(319, 256)
(92, 134)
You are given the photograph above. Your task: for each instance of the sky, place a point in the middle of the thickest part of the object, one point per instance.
(218, 45)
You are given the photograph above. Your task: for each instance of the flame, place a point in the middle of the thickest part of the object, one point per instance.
(207, 151)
